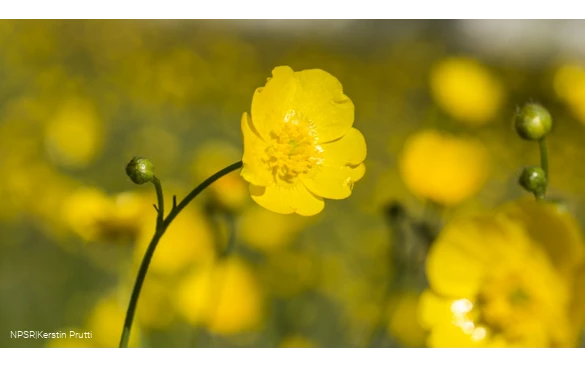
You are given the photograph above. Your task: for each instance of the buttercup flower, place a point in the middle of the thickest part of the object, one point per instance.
(505, 279)
(224, 296)
(443, 168)
(466, 90)
(299, 144)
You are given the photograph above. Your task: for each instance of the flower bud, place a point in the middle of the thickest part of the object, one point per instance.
(533, 179)
(140, 170)
(533, 122)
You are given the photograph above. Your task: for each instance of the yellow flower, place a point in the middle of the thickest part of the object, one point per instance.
(504, 279)
(569, 84)
(94, 215)
(74, 135)
(403, 322)
(445, 169)
(299, 144)
(84, 209)
(466, 90)
(229, 191)
(224, 296)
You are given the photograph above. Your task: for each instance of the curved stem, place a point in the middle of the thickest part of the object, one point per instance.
(160, 230)
(161, 201)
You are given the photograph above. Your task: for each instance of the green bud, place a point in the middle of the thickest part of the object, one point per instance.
(140, 170)
(533, 179)
(533, 122)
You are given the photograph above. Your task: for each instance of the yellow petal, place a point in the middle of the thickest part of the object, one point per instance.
(287, 199)
(557, 231)
(253, 170)
(348, 150)
(433, 309)
(272, 102)
(315, 95)
(448, 335)
(467, 249)
(321, 100)
(342, 166)
(333, 182)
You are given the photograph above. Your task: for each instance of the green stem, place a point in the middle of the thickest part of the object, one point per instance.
(161, 201)
(160, 230)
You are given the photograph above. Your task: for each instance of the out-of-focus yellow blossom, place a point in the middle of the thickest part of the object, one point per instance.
(569, 85)
(230, 191)
(299, 144)
(296, 341)
(74, 135)
(106, 321)
(225, 297)
(277, 232)
(442, 168)
(84, 209)
(155, 309)
(466, 89)
(94, 215)
(505, 279)
(70, 342)
(188, 240)
(403, 323)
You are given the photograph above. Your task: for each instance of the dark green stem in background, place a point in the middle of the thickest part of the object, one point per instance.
(161, 227)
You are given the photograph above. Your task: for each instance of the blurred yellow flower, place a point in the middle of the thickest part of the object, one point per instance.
(74, 135)
(299, 144)
(84, 209)
(277, 230)
(442, 168)
(94, 215)
(225, 297)
(505, 279)
(230, 191)
(188, 240)
(569, 85)
(296, 341)
(155, 308)
(403, 322)
(105, 322)
(466, 90)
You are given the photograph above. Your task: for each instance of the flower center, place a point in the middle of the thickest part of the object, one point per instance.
(293, 149)
(517, 307)
(506, 302)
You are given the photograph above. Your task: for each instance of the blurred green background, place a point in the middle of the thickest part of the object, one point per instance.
(79, 99)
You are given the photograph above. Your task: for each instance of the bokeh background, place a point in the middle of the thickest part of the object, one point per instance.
(435, 101)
